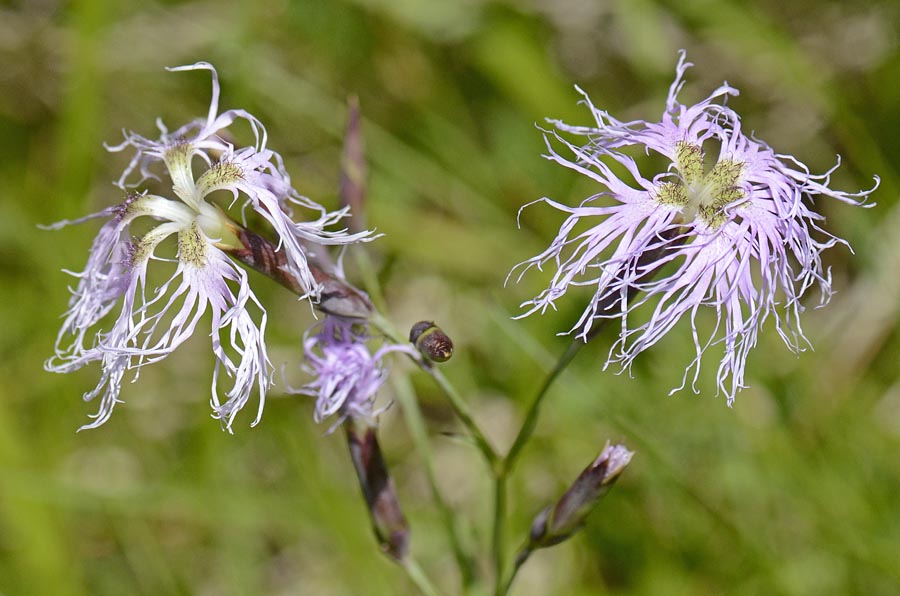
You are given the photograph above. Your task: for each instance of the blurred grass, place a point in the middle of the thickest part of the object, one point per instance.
(792, 491)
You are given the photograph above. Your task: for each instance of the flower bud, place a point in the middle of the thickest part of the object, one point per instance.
(559, 521)
(388, 522)
(431, 341)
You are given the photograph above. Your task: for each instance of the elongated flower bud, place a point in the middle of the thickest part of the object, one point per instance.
(388, 522)
(559, 521)
(431, 341)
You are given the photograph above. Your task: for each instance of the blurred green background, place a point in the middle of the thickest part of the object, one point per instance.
(792, 491)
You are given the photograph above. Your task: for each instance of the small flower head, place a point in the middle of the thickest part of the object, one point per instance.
(346, 374)
(154, 319)
(729, 225)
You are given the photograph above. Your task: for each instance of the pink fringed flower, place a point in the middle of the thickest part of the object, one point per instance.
(739, 235)
(254, 175)
(154, 319)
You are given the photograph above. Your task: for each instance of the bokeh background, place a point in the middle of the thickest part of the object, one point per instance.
(791, 491)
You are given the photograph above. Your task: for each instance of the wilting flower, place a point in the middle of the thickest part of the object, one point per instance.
(154, 319)
(346, 374)
(740, 236)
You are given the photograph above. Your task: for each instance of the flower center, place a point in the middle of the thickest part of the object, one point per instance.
(702, 194)
(210, 219)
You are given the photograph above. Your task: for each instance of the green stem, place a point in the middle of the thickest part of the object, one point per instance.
(459, 405)
(462, 411)
(418, 577)
(498, 544)
(534, 410)
(610, 304)
(505, 465)
(415, 421)
(416, 424)
(520, 560)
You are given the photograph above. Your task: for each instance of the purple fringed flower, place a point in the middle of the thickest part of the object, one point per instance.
(740, 236)
(346, 375)
(151, 324)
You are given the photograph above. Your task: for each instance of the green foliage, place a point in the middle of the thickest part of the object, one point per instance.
(791, 491)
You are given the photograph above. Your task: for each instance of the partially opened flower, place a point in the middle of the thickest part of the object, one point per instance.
(154, 319)
(729, 224)
(346, 374)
